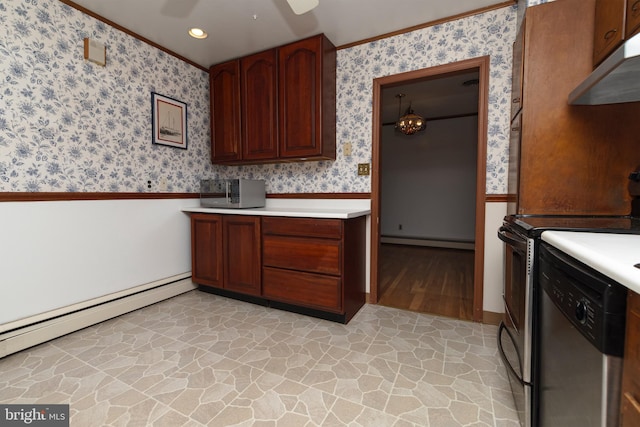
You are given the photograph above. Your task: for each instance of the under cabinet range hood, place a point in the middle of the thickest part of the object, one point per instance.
(615, 80)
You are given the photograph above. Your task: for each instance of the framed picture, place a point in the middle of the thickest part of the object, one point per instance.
(169, 121)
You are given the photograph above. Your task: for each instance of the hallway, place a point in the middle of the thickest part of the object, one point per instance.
(427, 280)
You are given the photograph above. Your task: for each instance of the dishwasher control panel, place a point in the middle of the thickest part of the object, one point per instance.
(594, 304)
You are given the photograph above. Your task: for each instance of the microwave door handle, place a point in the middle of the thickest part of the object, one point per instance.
(227, 191)
(511, 239)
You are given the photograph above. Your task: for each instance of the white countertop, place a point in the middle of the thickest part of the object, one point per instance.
(311, 208)
(290, 212)
(614, 255)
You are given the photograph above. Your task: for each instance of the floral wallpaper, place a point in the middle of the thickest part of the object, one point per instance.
(491, 33)
(70, 125)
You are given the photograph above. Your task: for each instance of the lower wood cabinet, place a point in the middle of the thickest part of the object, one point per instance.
(315, 263)
(630, 399)
(309, 265)
(225, 252)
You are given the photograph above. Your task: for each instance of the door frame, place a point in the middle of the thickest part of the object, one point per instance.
(480, 64)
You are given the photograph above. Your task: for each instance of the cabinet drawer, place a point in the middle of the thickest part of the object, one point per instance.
(308, 227)
(295, 253)
(312, 290)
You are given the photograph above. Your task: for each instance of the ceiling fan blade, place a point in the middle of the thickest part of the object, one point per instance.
(302, 6)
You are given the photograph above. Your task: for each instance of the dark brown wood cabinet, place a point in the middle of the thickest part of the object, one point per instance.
(225, 252)
(615, 21)
(315, 263)
(315, 266)
(275, 106)
(307, 87)
(630, 399)
(573, 159)
(242, 254)
(206, 249)
(224, 82)
(609, 28)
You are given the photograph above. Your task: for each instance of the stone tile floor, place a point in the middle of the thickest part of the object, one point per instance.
(199, 359)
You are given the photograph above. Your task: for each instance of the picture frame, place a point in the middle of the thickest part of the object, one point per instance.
(169, 121)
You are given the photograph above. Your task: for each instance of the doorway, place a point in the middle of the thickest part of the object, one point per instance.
(382, 87)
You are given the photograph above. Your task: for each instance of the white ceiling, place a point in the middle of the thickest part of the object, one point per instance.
(240, 27)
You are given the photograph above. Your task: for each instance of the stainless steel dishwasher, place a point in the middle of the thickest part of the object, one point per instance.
(582, 321)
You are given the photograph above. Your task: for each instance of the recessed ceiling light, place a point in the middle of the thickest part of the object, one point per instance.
(198, 33)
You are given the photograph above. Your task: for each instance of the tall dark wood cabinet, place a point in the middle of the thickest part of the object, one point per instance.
(224, 84)
(259, 106)
(572, 159)
(307, 99)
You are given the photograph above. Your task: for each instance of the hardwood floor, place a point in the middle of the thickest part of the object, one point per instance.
(428, 280)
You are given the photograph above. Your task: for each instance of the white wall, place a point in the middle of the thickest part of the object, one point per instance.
(54, 254)
(429, 181)
(493, 258)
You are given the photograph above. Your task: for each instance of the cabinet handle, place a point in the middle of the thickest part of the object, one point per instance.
(610, 34)
(517, 100)
(635, 7)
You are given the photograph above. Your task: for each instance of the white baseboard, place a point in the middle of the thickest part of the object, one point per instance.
(89, 313)
(450, 244)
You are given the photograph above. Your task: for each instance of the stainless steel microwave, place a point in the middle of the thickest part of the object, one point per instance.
(232, 193)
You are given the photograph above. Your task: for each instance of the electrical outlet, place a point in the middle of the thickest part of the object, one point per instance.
(399, 226)
(346, 149)
(149, 185)
(363, 168)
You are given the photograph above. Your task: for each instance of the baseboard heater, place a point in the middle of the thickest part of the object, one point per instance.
(34, 330)
(436, 243)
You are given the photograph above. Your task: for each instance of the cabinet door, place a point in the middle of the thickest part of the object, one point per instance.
(633, 18)
(206, 249)
(225, 112)
(259, 106)
(242, 257)
(306, 110)
(609, 28)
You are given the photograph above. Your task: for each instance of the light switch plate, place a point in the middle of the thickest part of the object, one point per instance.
(346, 149)
(363, 168)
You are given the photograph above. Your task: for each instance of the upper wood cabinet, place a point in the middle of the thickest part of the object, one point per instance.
(259, 106)
(615, 21)
(307, 99)
(573, 159)
(224, 82)
(609, 28)
(275, 106)
(517, 73)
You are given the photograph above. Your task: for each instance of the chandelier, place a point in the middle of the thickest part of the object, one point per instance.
(410, 122)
